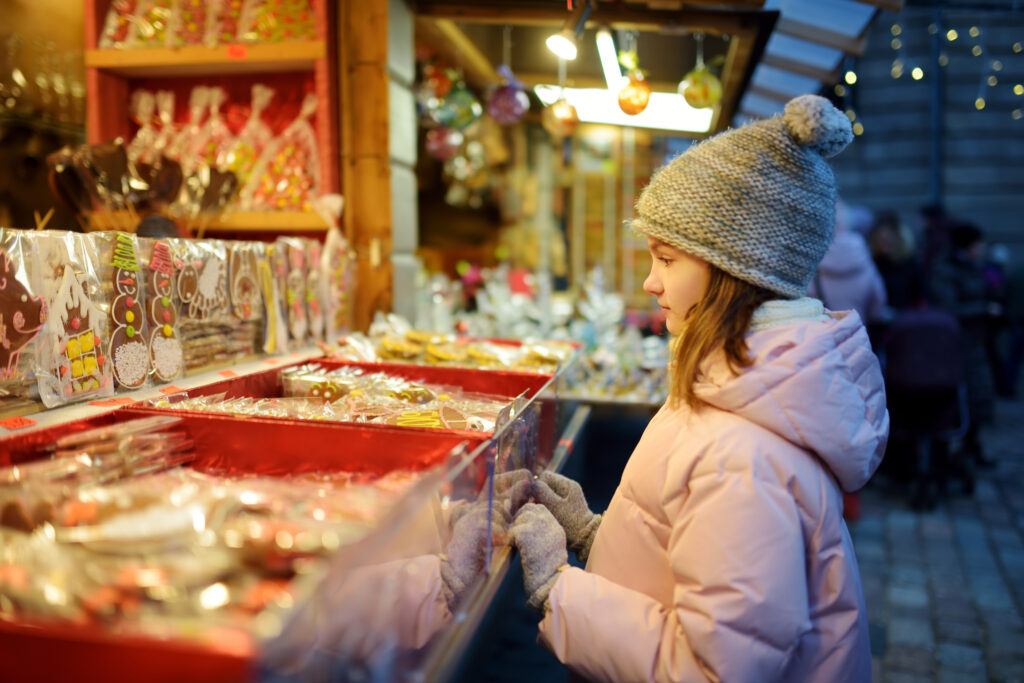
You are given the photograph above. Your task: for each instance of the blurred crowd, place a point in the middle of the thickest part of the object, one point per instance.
(944, 306)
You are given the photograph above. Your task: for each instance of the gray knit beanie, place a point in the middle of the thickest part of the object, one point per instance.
(758, 201)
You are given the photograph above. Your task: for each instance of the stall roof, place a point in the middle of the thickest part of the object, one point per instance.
(771, 50)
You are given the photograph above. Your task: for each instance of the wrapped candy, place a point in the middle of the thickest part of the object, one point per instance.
(213, 138)
(287, 175)
(195, 23)
(336, 267)
(168, 132)
(274, 21)
(117, 27)
(178, 148)
(226, 21)
(142, 148)
(155, 21)
(245, 149)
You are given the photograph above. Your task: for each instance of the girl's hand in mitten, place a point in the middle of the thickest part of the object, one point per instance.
(464, 559)
(541, 543)
(564, 498)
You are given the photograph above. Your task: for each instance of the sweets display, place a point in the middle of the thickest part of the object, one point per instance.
(109, 531)
(346, 394)
(83, 315)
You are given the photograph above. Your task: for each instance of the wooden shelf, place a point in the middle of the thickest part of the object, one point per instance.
(199, 60)
(230, 221)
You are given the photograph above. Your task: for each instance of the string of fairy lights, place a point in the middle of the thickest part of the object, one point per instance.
(991, 68)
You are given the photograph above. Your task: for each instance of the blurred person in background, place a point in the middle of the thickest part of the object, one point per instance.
(958, 284)
(847, 279)
(893, 250)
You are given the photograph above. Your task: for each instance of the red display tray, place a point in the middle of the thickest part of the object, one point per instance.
(41, 651)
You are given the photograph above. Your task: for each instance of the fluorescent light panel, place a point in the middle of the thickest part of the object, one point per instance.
(665, 111)
(609, 60)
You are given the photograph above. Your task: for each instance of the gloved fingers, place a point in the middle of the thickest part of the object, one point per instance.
(462, 509)
(533, 518)
(519, 494)
(507, 481)
(563, 486)
(544, 494)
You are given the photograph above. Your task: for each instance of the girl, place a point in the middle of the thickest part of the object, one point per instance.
(723, 554)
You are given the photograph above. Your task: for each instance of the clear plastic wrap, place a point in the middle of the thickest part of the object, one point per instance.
(196, 23)
(275, 327)
(72, 362)
(178, 147)
(123, 282)
(264, 21)
(161, 294)
(117, 27)
(315, 290)
(295, 260)
(142, 148)
(254, 136)
(336, 267)
(214, 138)
(287, 175)
(168, 131)
(23, 313)
(155, 22)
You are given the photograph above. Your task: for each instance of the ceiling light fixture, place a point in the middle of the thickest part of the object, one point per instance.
(609, 60)
(665, 111)
(563, 43)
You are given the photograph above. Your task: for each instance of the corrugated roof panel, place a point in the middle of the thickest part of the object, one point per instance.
(827, 58)
(841, 16)
(784, 81)
(761, 106)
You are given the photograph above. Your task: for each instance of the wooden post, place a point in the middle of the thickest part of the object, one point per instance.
(365, 171)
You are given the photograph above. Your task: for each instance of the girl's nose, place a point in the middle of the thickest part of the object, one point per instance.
(651, 284)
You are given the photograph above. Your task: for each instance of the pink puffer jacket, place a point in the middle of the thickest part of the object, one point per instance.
(724, 555)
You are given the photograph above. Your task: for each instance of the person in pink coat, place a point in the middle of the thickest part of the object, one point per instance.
(724, 555)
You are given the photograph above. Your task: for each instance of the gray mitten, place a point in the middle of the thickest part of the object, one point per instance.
(541, 544)
(463, 560)
(513, 489)
(564, 498)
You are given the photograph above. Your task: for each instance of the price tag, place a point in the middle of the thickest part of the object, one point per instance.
(121, 401)
(227, 373)
(17, 422)
(236, 51)
(170, 389)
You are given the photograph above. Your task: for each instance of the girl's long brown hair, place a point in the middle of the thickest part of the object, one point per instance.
(719, 320)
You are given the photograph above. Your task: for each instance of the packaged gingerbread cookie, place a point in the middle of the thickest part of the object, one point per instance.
(159, 276)
(122, 280)
(246, 294)
(72, 363)
(22, 315)
(295, 260)
(273, 272)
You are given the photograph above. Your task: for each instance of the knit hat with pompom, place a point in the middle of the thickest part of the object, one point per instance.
(757, 201)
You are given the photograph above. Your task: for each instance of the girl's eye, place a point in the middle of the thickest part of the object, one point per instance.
(666, 261)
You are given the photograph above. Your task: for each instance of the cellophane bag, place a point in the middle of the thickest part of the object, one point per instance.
(297, 268)
(211, 335)
(117, 27)
(287, 175)
(213, 138)
(246, 147)
(180, 147)
(167, 132)
(122, 280)
(273, 272)
(23, 312)
(142, 148)
(155, 23)
(160, 278)
(196, 23)
(277, 21)
(335, 267)
(72, 363)
(227, 15)
(246, 292)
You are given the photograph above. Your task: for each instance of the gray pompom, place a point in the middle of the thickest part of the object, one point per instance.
(815, 123)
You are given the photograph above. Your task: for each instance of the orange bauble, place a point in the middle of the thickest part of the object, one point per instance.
(560, 119)
(635, 95)
(701, 88)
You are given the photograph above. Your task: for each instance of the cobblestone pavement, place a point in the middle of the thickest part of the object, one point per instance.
(945, 588)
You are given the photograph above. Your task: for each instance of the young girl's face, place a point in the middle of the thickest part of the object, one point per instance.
(677, 280)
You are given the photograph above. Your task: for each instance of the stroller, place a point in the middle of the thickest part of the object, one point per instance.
(926, 390)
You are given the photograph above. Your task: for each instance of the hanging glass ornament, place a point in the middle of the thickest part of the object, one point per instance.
(460, 108)
(560, 118)
(635, 95)
(438, 80)
(509, 102)
(700, 88)
(443, 143)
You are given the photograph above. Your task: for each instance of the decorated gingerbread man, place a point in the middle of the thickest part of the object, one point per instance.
(21, 317)
(128, 348)
(165, 352)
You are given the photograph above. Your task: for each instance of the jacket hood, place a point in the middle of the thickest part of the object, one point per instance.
(848, 254)
(814, 382)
